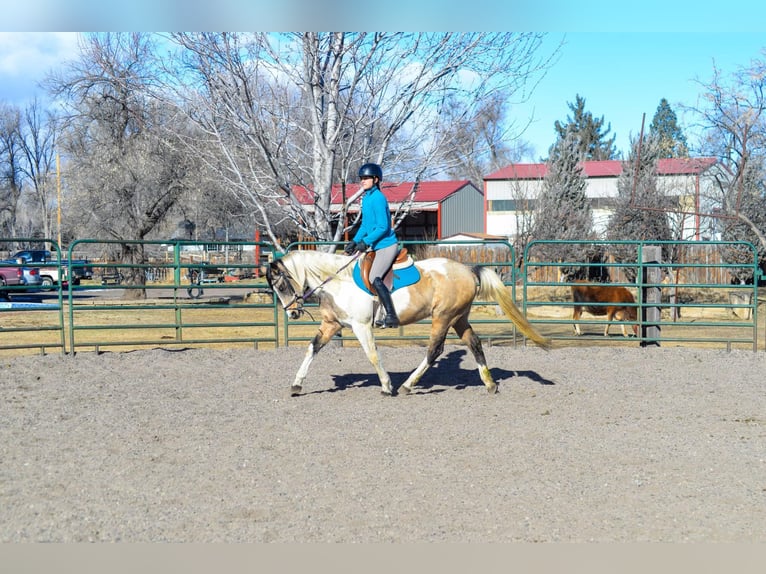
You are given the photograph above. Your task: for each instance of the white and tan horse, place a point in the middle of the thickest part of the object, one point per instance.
(444, 293)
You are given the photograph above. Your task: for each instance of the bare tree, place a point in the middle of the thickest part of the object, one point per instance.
(733, 117)
(749, 224)
(11, 175)
(524, 216)
(124, 176)
(38, 144)
(480, 143)
(303, 110)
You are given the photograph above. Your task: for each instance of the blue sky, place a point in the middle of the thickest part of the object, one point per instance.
(657, 49)
(624, 75)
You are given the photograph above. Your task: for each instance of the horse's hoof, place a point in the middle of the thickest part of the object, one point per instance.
(295, 390)
(492, 389)
(404, 390)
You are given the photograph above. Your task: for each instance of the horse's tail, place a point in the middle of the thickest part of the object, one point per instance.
(491, 287)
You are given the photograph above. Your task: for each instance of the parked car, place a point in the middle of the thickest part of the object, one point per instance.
(16, 274)
(81, 268)
(33, 276)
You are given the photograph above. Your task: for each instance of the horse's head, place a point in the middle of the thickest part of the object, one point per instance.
(281, 283)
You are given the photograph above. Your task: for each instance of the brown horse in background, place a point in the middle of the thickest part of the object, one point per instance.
(616, 302)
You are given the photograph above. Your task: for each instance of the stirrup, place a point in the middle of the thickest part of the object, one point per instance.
(388, 322)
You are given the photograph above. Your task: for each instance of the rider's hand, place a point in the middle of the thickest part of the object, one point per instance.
(350, 248)
(361, 247)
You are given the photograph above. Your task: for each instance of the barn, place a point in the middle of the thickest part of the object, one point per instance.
(439, 208)
(511, 192)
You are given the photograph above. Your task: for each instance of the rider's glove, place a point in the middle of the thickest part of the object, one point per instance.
(350, 248)
(361, 247)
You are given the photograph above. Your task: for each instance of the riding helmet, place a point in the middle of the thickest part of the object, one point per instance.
(371, 169)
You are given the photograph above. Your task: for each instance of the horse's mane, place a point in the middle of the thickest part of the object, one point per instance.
(312, 267)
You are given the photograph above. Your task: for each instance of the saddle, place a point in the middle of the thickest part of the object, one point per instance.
(401, 273)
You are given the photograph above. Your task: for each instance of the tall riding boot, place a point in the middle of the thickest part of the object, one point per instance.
(390, 320)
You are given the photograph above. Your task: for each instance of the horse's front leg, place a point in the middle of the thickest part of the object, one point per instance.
(363, 332)
(326, 331)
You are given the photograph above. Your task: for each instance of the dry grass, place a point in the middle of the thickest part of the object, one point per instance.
(249, 321)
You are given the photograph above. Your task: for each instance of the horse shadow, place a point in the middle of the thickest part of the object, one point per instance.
(446, 374)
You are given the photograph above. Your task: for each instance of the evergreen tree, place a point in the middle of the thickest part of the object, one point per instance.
(665, 129)
(640, 210)
(594, 141)
(563, 210)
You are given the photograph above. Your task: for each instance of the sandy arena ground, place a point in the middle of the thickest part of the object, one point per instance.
(580, 444)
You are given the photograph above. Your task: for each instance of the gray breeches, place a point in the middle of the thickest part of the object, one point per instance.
(383, 260)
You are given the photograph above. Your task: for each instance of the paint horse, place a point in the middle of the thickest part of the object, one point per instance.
(444, 292)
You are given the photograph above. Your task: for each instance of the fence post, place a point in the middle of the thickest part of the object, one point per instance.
(651, 295)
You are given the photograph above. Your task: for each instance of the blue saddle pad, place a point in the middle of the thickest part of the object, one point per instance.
(402, 277)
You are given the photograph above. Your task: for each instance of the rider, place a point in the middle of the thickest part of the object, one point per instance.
(376, 233)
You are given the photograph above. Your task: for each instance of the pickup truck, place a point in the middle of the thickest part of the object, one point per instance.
(49, 271)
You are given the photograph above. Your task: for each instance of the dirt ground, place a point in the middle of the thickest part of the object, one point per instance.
(580, 444)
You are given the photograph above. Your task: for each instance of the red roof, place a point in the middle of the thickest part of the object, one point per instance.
(428, 191)
(607, 168)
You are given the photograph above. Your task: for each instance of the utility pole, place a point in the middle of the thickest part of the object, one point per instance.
(58, 195)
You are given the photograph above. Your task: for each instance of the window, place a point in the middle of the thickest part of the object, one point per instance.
(511, 205)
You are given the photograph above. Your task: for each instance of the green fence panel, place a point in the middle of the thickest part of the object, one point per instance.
(181, 296)
(163, 295)
(728, 312)
(31, 316)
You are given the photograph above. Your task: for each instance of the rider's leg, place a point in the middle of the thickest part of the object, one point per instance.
(390, 320)
(384, 258)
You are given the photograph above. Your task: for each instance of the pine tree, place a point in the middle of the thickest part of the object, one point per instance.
(563, 210)
(594, 143)
(665, 129)
(639, 213)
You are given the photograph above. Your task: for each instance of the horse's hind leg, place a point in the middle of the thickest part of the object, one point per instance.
(435, 348)
(469, 337)
(326, 331)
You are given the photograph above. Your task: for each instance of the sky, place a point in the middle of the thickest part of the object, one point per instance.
(623, 76)
(658, 50)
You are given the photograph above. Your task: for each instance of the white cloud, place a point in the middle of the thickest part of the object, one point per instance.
(32, 53)
(26, 57)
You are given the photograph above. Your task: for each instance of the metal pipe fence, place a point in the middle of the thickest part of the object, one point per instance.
(26, 323)
(726, 312)
(177, 294)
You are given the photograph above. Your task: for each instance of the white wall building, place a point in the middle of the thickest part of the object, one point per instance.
(510, 194)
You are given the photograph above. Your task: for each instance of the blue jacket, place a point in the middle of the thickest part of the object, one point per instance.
(375, 229)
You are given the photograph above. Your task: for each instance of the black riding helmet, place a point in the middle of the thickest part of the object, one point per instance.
(371, 169)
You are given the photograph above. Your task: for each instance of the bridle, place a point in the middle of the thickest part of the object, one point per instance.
(276, 280)
(297, 299)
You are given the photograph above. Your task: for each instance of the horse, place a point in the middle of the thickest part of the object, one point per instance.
(612, 294)
(444, 293)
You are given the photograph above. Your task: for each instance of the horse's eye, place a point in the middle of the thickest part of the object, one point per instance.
(280, 282)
